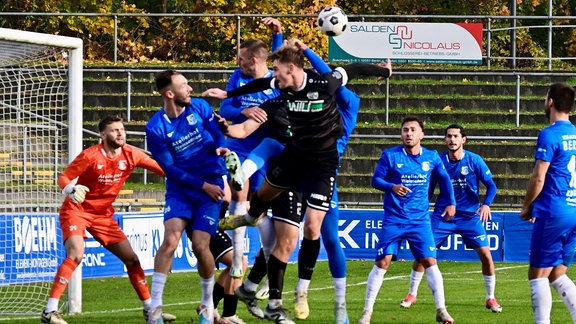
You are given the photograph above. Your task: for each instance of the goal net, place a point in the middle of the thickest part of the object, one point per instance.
(40, 131)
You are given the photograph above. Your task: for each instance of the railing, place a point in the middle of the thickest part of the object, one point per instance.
(488, 21)
(516, 75)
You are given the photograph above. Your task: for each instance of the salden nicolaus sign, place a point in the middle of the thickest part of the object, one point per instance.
(433, 43)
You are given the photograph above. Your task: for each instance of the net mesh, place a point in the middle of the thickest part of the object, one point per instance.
(33, 148)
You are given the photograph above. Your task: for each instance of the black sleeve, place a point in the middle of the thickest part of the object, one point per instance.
(355, 69)
(253, 86)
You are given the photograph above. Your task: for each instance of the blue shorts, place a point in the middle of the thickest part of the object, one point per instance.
(419, 236)
(467, 225)
(201, 211)
(553, 241)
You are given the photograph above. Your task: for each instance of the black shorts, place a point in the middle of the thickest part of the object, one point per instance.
(314, 171)
(287, 207)
(220, 244)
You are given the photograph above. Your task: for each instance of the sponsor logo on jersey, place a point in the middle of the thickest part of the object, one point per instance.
(399, 165)
(170, 134)
(305, 106)
(425, 166)
(100, 166)
(191, 120)
(312, 95)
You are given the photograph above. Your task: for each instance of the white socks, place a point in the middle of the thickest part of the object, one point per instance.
(415, 279)
(158, 282)
(267, 235)
(238, 208)
(249, 168)
(436, 284)
(207, 285)
(490, 284)
(375, 279)
(302, 285)
(541, 300)
(567, 291)
(52, 305)
(340, 289)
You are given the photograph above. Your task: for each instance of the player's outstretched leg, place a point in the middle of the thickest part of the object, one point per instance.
(234, 221)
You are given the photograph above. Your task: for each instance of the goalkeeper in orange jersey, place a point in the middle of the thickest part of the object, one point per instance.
(91, 183)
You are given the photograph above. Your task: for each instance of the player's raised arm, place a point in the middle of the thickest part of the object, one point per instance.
(256, 85)
(215, 93)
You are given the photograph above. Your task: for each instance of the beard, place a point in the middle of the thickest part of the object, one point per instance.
(113, 143)
(182, 103)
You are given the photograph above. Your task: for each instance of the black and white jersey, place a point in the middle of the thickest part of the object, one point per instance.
(312, 110)
(314, 116)
(278, 124)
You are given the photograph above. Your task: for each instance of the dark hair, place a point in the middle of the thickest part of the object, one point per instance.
(562, 95)
(164, 79)
(412, 119)
(288, 54)
(255, 48)
(107, 121)
(455, 126)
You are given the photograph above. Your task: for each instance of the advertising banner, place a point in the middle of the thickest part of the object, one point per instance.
(432, 43)
(31, 246)
(359, 236)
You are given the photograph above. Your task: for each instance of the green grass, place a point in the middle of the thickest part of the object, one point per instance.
(112, 300)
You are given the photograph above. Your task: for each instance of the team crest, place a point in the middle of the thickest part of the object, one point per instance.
(465, 170)
(191, 120)
(425, 166)
(122, 165)
(312, 95)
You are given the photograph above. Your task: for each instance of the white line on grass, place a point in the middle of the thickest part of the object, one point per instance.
(363, 283)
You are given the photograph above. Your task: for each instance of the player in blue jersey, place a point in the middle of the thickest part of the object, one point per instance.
(184, 137)
(404, 173)
(466, 170)
(550, 203)
(251, 61)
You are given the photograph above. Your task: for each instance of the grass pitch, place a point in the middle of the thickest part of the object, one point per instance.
(112, 300)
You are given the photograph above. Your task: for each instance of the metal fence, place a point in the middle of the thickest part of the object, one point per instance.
(549, 23)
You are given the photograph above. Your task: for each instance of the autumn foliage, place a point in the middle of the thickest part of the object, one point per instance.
(206, 31)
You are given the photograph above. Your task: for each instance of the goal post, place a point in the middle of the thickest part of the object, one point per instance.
(41, 120)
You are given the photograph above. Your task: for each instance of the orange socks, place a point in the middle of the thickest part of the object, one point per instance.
(138, 281)
(62, 277)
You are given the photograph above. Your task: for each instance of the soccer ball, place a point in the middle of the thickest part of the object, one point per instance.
(332, 21)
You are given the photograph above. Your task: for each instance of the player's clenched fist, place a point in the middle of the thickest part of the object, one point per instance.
(77, 193)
